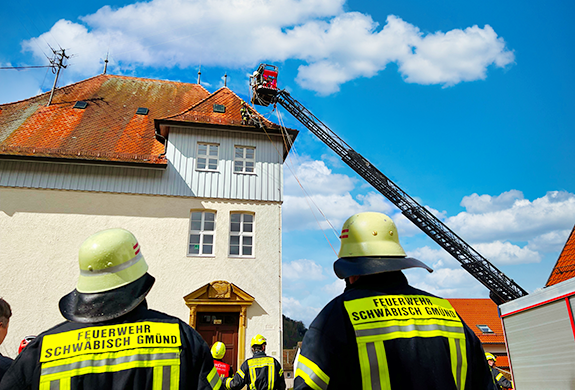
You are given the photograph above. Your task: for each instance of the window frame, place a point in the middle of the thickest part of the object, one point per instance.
(202, 233)
(485, 329)
(244, 160)
(242, 235)
(207, 157)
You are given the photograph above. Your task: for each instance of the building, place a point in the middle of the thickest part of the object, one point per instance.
(199, 185)
(482, 316)
(565, 267)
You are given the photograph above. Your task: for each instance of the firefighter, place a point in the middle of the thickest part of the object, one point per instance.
(5, 314)
(245, 114)
(218, 352)
(111, 340)
(500, 380)
(25, 341)
(260, 372)
(381, 333)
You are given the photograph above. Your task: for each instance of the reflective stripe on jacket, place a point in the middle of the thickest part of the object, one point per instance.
(260, 372)
(144, 349)
(390, 317)
(383, 334)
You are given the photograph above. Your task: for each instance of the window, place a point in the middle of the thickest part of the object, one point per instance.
(207, 157)
(485, 329)
(242, 234)
(244, 159)
(202, 230)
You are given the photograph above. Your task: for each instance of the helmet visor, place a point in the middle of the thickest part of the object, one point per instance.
(359, 266)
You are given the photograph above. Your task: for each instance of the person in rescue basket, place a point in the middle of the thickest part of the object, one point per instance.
(218, 353)
(112, 340)
(381, 333)
(260, 372)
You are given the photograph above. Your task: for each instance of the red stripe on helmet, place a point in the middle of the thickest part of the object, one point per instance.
(135, 246)
(345, 230)
(138, 251)
(343, 236)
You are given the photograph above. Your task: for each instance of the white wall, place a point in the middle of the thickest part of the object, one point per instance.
(41, 231)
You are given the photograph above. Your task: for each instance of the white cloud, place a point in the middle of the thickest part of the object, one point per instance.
(522, 221)
(335, 288)
(503, 253)
(316, 178)
(476, 204)
(303, 269)
(435, 258)
(446, 282)
(550, 242)
(334, 46)
(299, 311)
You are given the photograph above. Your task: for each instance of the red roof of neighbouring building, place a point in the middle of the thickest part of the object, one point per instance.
(108, 129)
(480, 311)
(565, 267)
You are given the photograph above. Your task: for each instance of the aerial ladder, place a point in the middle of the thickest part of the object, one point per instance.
(502, 289)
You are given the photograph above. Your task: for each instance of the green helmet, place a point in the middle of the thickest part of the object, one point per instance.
(218, 350)
(113, 278)
(109, 259)
(370, 245)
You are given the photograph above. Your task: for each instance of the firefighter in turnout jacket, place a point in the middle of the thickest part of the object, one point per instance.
(218, 353)
(111, 340)
(260, 372)
(381, 333)
(500, 380)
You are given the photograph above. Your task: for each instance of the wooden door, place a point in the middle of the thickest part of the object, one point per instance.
(221, 327)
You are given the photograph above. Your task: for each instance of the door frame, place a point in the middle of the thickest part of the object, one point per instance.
(223, 297)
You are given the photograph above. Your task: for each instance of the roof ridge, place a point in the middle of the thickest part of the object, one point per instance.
(569, 239)
(68, 86)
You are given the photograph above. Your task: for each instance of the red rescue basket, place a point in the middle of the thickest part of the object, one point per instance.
(264, 84)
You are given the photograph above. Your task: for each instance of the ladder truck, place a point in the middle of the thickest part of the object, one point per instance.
(263, 84)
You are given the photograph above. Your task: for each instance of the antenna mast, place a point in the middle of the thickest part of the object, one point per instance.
(199, 73)
(106, 63)
(58, 62)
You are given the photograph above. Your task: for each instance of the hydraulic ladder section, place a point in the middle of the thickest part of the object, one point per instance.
(502, 289)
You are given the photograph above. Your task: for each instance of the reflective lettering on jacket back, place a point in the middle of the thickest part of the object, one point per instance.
(379, 318)
(112, 348)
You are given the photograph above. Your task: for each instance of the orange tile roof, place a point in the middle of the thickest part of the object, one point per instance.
(480, 311)
(565, 267)
(203, 112)
(108, 129)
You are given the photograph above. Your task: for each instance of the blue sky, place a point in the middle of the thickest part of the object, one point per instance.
(468, 107)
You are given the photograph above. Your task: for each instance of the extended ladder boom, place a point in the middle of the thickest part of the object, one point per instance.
(502, 288)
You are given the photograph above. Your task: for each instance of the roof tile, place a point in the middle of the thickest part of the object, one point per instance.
(565, 267)
(480, 311)
(107, 129)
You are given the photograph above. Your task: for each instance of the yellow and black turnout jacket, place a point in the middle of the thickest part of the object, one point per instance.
(144, 350)
(499, 378)
(259, 372)
(383, 334)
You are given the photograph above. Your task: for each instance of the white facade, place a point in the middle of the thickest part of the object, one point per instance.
(48, 209)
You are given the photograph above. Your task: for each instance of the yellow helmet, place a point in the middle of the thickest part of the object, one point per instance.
(370, 245)
(490, 356)
(218, 350)
(113, 278)
(258, 339)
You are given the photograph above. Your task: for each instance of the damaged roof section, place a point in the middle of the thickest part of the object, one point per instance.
(122, 120)
(223, 108)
